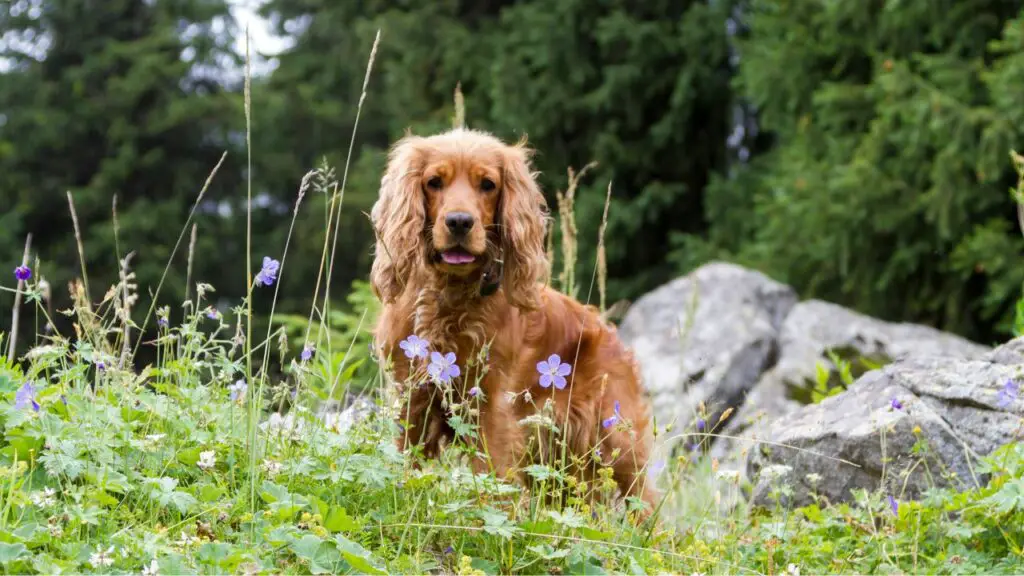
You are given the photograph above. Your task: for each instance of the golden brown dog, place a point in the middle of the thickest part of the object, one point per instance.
(459, 263)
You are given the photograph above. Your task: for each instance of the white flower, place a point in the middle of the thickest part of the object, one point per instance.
(102, 557)
(728, 475)
(793, 570)
(338, 422)
(44, 499)
(154, 438)
(776, 471)
(152, 570)
(813, 478)
(185, 539)
(207, 459)
(289, 426)
(272, 468)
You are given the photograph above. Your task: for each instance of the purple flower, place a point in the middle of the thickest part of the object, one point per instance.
(474, 391)
(22, 273)
(238, 390)
(894, 506)
(161, 322)
(268, 273)
(701, 423)
(656, 468)
(1008, 393)
(613, 419)
(101, 365)
(414, 346)
(212, 313)
(448, 550)
(307, 352)
(443, 368)
(26, 397)
(553, 371)
(896, 404)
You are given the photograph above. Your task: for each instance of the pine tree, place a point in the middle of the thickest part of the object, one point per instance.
(117, 98)
(887, 189)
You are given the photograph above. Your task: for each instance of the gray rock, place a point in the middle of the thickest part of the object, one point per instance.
(858, 440)
(706, 338)
(812, 330)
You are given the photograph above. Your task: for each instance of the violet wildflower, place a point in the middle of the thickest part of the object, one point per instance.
(701, 424)
(212, 313)
(1008, 393)
(474, 391)
(238, 390)
(22, 273)
(448, 550)
(613, 419)
(26, 397)
(268, 273)
(896, 404)
(553, 372)
(894, 506)
(101, 365)
(443, 368)
(656, 468)
(414, 347)
(161, 322)
(307, 352)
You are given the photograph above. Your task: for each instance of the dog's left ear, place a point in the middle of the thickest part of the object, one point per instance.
(523, 218)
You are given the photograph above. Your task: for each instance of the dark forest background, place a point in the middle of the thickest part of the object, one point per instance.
(859, 151)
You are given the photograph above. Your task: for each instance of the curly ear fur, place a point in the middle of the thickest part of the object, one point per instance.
(523, 219)
(398, 219)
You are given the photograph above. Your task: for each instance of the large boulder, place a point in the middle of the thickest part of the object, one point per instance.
(813, 333)
(870, 436)
(706, 338)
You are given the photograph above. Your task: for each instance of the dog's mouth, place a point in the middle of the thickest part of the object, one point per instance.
(457, 256)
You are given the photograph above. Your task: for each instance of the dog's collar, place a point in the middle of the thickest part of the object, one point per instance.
(491, 279)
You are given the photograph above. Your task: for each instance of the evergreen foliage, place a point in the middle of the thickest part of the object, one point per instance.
(888, 187)
(117, 98)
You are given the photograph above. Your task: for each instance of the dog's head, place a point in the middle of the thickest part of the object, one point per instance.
(463, 204)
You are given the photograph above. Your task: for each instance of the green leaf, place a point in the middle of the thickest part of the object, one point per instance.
(570, 518)
(1009, 498)
(358, 557)
(211, 493)
(321, 556)
(11, 552)
(547, 552)
(496, 522)
(338, 520)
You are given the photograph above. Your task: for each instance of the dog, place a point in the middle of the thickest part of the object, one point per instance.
(460, 265)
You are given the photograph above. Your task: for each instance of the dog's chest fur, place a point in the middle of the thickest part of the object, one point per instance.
(454, 321)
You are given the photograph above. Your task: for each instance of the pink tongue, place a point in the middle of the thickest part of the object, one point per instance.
(457, 257)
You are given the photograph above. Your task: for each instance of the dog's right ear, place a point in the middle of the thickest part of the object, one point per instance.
(398, 219)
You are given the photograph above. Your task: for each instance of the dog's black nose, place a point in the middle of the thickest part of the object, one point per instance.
(459, 223)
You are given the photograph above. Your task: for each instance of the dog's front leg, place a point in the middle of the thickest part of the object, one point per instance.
(500, 439)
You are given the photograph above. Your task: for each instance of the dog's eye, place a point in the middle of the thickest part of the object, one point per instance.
(487, 185)
(435, 183)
